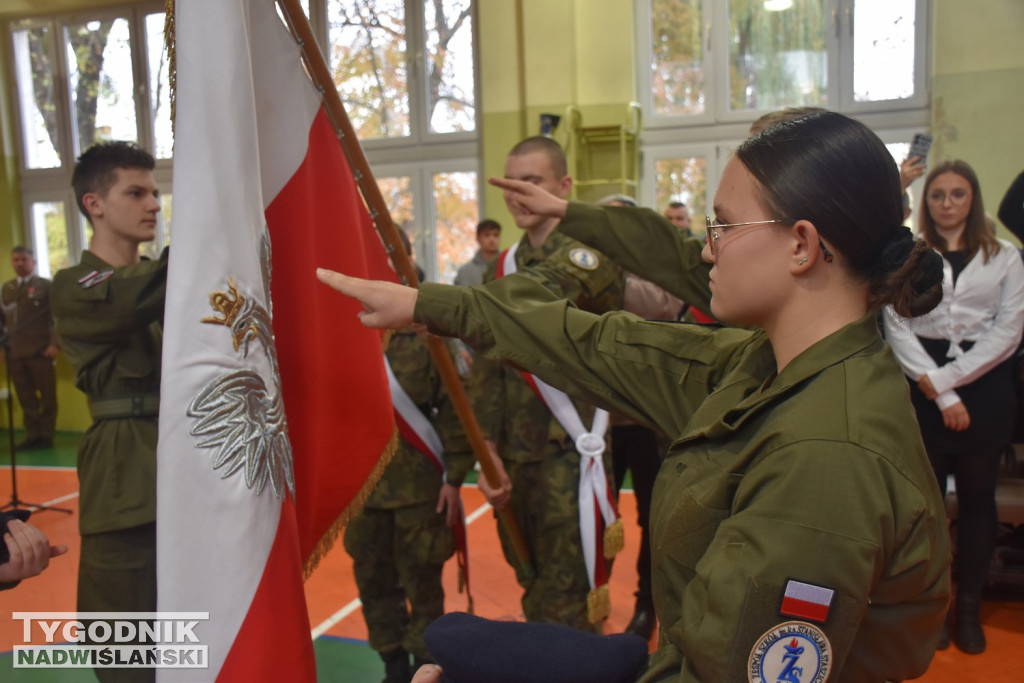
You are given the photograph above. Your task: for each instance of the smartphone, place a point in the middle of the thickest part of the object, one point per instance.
(919, 147)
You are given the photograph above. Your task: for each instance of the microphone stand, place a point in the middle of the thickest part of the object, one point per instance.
(16, 502)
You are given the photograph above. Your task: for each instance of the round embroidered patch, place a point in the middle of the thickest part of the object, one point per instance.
(583, 258)
(792, 651)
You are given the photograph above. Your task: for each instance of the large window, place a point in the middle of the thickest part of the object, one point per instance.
(711, 68)
(80, 79)
(404, 69)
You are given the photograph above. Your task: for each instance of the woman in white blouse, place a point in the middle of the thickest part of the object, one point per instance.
(959, 361)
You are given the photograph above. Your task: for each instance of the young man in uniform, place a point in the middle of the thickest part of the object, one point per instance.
(539, 456)
(109, 317)
(32, 344)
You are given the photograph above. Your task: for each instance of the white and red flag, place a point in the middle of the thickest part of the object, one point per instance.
(274, 406)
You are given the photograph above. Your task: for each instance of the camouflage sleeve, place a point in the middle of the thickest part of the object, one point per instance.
(643, 242)
(129, 300)
(583, 276)
(458, 456)
(486, 390)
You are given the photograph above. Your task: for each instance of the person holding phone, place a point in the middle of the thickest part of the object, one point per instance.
(914, 166)
(798, 477)
(959, 363)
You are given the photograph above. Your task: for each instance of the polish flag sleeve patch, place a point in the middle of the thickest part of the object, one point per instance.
(806, 601)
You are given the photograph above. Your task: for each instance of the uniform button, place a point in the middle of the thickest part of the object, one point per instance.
(680, 467)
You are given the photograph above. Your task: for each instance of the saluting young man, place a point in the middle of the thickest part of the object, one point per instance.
(535, 449)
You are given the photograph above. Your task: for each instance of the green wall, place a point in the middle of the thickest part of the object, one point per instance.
(978, 90)
(571, 52)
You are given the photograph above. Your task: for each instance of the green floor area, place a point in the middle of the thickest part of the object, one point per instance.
(338, 660)
(63, 453)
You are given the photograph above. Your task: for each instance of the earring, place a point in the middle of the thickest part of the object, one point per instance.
(802, 261)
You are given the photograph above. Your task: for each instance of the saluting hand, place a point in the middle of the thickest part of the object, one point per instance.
(386, 305)
(525, 197)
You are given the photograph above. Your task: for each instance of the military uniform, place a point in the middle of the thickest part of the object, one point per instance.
(28, 322)
(814, 480)
(539, 457)
(644, 242)
(110, 324)
(398, 542)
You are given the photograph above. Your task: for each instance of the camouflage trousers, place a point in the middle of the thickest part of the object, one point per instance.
(545, 502)
(397, 558)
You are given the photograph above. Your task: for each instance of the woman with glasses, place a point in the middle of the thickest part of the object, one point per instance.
(797, 530)
(959, 363)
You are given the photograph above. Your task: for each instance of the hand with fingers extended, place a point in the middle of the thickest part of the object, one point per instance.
(526, 197)
(386, 305)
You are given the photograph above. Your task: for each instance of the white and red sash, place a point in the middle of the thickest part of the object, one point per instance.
(417, 431)
(596, 500)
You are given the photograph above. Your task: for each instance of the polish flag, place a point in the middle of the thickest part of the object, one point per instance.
(275, 406)
(806, 601)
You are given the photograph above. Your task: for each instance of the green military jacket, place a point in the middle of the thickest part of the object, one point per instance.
(508, 410)
(412, 477)
(26, 316)
(110, 324)
(816, 476)
(644, 242)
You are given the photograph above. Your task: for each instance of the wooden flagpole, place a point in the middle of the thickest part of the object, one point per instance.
(321, 75)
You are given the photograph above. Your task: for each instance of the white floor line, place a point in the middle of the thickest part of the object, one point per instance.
(55, 501)
(329, 622)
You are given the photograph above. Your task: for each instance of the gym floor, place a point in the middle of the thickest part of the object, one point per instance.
(336, 624)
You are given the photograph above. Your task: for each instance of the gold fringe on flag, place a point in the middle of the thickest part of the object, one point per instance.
(599, 604)
(326, 541)
(172, 64)
(614, 539)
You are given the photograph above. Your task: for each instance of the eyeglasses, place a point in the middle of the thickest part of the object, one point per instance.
(714, 232)
(958, 196)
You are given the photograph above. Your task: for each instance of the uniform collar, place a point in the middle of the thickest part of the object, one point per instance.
(753, 387)
(527, 254)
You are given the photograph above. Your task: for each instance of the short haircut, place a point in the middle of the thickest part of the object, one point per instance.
(547, 146)
(22, 249)
(676, 205)
(487, 224)
(774, 118)
(96, 170)
(616, 200)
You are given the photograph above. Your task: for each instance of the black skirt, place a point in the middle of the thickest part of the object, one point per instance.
(991, 401)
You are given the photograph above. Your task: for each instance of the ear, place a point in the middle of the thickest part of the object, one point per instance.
(804, 252)
(93, 204)
(565, 187)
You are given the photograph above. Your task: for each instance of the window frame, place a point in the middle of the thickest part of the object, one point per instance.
(839, 47)
(424, 151)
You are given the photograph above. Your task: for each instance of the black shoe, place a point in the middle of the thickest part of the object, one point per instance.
(642, 623)
(396, 666)
(970, 637)
(26, 445)
(945, 638)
